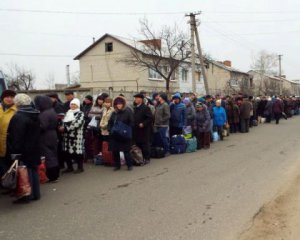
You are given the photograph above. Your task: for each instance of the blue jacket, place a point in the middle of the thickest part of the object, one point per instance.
(220, 117)
(178, 115)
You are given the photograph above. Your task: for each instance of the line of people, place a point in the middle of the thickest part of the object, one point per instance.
(71, 132)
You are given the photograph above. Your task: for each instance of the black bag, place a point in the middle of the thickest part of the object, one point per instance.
(9, 179)
(121, 131)
(137, 156)
(157, 152)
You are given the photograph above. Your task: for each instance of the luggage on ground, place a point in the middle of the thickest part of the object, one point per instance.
(177, 144)
(157, 152)
(98, 159)
(137, 156)
(191, 145)
(263, 120)
(107, 155)
(157, 139)
(255, 123)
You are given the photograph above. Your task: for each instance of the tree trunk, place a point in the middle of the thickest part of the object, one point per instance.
(167, 85)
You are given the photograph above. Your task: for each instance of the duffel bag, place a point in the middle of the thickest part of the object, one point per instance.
(157, 152)
(177, 140)
(191, 145)
(137, 156)
(178, 149)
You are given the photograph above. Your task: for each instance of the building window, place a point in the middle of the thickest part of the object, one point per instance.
(234, 82)
(154, 75)
(199, 76)
(184, 75)
(109, 47)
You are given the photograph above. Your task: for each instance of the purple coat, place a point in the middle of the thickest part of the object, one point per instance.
(202, 120)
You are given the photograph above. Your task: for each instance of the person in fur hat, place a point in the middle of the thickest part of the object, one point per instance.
(121, 114)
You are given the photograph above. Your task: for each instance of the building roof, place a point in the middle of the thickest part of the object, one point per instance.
(274, 77)
(221, 65)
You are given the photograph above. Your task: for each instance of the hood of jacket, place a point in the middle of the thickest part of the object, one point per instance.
(43, 103)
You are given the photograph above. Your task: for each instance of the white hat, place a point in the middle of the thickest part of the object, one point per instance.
(75, 101)
(22, 99)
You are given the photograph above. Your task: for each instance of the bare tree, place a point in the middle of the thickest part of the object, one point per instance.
(265, 64)
(162, 51)
(50, 80)
(19, 78)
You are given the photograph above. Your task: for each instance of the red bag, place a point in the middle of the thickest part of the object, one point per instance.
(108, 158)
(23, 183)
(42, 172)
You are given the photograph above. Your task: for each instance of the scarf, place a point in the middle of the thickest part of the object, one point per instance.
(70, 116)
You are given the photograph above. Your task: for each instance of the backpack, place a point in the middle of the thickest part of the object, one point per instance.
(177, 144)
(157, 152)
(137, 156)
(191, 145)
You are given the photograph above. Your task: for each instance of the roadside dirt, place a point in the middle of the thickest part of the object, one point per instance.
(279, 219)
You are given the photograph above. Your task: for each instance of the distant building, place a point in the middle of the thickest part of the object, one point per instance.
(102, 70)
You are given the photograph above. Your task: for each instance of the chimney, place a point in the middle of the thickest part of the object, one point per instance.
(156, 43)
(94, 40)
(227, 63)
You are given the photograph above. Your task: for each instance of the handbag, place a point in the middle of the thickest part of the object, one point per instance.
(121, 131)
(137, 156)
(23, 183)
(9, 179)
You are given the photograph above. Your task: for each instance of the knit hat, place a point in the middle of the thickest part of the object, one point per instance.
(89, 97)
(75, 101)
(186, 101)
(8, 93)
(201, 99)
(176, 96)
(22, 99)
(164, 97)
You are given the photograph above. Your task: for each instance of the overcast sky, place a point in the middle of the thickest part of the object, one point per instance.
(233, 30)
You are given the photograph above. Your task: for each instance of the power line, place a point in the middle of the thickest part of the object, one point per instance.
(253, 12)
(85, 13)
(35, 55)
(255, 20)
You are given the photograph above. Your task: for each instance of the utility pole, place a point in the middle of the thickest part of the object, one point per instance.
(281, 82)
(194, 31)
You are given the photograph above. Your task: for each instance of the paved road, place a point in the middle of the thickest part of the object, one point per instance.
(208, 195)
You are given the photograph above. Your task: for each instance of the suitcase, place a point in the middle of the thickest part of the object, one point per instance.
(107, 155)
(157, 152)
(178, 144)
(191, 145)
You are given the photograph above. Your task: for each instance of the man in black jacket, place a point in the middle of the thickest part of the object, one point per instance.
(143, 120)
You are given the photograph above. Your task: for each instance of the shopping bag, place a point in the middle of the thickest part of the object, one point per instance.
(9, 179)
(23, 182)
(216, 136)
(187, 130)
(42, 172)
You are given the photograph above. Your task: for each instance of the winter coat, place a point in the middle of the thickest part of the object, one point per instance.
(268, 109)
(142, 114)
(48, 123)
(210, 107)
(58, 107)
(86, 111)
(105, 119)
(178, 115)
(277, 107)
(202, 121)
(245, 110)
(97, 112)
(5, 117)
(23, 137)
(261, 107)
(233, 113)
(190, 115)
(220, 117)
(125, 116)
(162, 115)
(73, 134)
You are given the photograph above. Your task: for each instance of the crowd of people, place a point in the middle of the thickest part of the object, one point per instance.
(65, 134)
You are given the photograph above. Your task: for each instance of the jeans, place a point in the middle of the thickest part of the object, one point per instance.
(164, 136)
(118, 160)
(35, 184)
